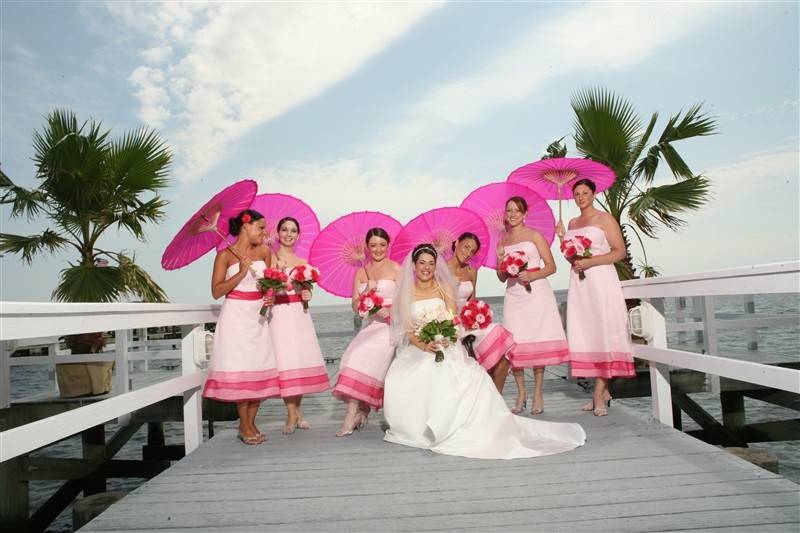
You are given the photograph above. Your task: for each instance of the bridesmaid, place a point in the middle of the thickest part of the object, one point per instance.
(301, 368)
(597, 319)
(531, 316)
(492, 344)
(243, 367)
(365, 361)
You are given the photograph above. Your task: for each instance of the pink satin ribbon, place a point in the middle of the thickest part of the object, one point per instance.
(244, 295)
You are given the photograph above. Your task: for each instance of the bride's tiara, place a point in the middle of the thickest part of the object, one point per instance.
(424, 248)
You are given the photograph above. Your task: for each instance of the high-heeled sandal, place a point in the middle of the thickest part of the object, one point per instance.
(354, 427)
(589, 406)
(537, 410)
(519, 407)
(600, 411)
(303, 424)
(288, 429)
(363, 420)
(250, 441)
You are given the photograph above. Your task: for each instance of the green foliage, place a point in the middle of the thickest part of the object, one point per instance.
(89, 183)
(608, 130)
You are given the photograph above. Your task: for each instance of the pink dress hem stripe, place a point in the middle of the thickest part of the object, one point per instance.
(491, 349)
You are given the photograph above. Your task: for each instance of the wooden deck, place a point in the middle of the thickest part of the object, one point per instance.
(632, 475)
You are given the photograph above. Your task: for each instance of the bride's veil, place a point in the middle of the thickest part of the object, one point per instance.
(403, 297)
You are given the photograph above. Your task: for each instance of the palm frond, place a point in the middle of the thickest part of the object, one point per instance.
(693, 124)
(556, 149)
(69, 160)
(89, 283)
(138, 162)
(660, 205)
(30, 245)
(138, 282)
(606, 127)
(23, 201)
(648, 164)
(649, 271)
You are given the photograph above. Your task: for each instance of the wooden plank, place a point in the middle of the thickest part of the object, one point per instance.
(314, 481)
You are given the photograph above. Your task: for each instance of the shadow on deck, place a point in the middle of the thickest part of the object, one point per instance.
(633, 474)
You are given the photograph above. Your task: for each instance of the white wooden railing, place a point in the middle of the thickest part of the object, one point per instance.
(29, 320)
(20, 320)
(775, 278)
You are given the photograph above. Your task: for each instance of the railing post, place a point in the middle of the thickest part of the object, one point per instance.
(660, 387)
(752, 333)
(192, 342)
(121, 371)
(6, 349)
(710, 333)
(680, 316)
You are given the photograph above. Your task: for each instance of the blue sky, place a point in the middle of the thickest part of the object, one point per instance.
(406, 107)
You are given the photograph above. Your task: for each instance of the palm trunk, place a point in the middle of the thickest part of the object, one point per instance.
(625, 268)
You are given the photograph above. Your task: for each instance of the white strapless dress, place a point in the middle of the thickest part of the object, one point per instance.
(452, 407)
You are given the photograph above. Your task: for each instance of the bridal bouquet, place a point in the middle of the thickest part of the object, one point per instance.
(274, 279)
(369, 303)
(439, 326)
(303, 277)
(476, 315)
(576, 248)
(513, 263)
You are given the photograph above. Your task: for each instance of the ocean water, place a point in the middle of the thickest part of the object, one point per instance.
(782, 343)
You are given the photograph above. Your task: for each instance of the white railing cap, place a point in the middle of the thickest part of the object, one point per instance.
(23, 320)
(782, 277)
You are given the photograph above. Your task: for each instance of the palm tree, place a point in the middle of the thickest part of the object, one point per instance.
(89, 184)
(608, 130)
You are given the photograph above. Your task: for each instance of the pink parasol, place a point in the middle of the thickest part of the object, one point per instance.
(549, 176)
(441, 227)
(275, 206)
(489, 202)
(339, 249)
(209, 225)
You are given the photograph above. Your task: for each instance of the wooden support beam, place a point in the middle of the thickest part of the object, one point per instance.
(94, 450)
(13, 485)
(715, 432)
(42, 518)
(732, 410)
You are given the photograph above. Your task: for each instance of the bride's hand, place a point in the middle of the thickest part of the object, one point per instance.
(431, 347)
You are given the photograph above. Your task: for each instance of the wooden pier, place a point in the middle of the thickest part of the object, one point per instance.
(633, 474)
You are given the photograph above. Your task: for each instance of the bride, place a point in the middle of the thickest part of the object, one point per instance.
(452, 406)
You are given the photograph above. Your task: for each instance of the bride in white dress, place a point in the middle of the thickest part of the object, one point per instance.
(452, 406)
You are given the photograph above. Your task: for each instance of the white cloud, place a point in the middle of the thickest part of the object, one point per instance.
(157, 54)
(598, 36)
(336, 187)
(241, 64)
(153, 98)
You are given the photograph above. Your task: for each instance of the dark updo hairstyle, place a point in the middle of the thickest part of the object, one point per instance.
(464, 236)
(424, 248)
(235, 223)
(520, 202)
(589, 183)
(377, 232)
(288, 219)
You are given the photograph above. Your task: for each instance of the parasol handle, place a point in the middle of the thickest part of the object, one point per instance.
(559, 204)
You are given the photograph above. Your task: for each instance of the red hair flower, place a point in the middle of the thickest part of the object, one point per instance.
(246, 218)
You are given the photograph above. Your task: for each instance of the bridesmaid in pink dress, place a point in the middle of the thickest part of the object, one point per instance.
(366, 360)
(597, 319)
(531, 316)
(492, 344)
(242, 367)
(301, 367)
